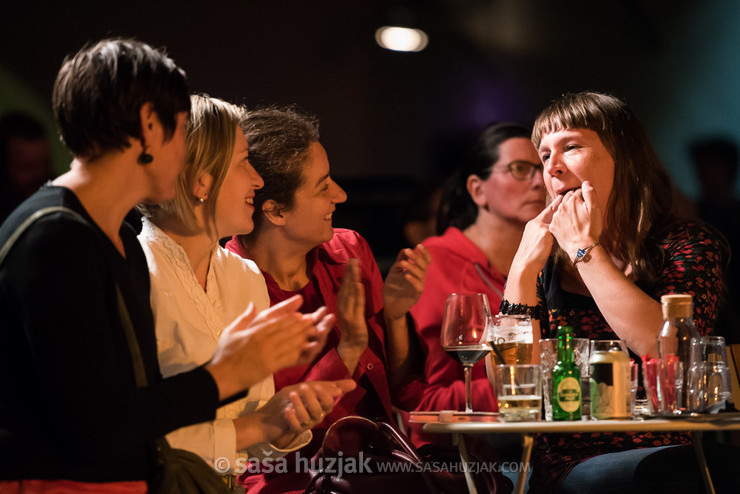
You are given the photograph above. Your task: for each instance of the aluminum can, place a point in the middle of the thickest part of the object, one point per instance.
(610, 385)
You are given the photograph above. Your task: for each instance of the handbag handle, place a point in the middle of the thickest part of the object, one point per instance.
(400, 441)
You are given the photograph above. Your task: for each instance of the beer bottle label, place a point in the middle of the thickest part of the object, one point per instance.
(569, 394)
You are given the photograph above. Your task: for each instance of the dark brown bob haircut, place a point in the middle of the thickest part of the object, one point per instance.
(99, 91)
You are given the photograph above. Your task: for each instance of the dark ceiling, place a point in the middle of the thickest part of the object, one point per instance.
(383, 113)
(385, 116)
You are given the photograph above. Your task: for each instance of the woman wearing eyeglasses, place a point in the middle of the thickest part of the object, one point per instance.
(486, 204)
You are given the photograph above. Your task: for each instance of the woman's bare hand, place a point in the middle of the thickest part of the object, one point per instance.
(537, 241)
(577, 222)
(257, 345)
(291, 411)
(404, 283)
(351, 316)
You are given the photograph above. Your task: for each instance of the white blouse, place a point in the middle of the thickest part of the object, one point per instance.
(189, 321)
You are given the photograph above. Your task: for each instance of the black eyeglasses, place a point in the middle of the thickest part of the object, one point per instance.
(523, 170)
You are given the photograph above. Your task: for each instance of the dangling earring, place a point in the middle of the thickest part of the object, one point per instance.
(144, 158)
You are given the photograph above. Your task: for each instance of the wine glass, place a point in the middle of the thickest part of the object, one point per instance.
(464, 332)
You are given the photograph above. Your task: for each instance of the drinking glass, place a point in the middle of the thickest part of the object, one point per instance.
(708, 349)
(709, 375)
(709, 384)
(511, 339)
(519, 392)
(640, 406)
(464, 331)
(548, 359)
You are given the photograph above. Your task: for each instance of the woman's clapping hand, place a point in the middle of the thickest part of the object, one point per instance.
(257, 345)
(351, 316)
(405, 281)
(293, 410)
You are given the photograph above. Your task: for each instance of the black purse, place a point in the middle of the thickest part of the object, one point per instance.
(184, 472)
(359, 456)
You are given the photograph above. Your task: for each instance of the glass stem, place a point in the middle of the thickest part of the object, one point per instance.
(468, 395)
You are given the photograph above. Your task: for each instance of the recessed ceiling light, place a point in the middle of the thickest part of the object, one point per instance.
(401, 38)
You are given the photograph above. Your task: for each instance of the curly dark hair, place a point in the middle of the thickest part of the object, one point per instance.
(279, 141)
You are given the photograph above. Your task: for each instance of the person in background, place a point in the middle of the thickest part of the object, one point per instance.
(620, 246)
(25, 160)
(71, 416)
(486, 203)
(715, 161)
(198, 288)
(421, 213)
(299, 252)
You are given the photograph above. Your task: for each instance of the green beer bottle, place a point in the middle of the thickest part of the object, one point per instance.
(566, 380)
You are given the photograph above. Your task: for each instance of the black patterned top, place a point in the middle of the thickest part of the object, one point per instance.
(692, 261)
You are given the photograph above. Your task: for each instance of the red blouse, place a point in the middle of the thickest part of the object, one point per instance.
(372, 397)
(458, 265)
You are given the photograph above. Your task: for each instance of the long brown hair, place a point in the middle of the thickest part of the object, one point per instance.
(642, 198)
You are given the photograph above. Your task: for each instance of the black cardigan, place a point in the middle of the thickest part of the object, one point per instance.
(69, 407)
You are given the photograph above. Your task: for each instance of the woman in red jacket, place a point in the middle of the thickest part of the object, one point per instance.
(299, 252)
(483, 211)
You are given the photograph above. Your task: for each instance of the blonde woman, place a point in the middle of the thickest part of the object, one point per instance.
(199, 287)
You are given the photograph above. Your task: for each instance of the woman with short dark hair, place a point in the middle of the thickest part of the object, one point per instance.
(72, 418)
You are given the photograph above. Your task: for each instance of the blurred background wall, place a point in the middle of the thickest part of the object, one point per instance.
(391, 121)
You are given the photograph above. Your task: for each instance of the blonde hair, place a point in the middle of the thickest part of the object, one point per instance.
(210, 141)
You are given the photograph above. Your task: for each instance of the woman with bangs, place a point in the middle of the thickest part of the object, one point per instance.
(620, 247)
(198, 288)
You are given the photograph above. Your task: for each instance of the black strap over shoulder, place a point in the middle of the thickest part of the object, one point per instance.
(30, 221)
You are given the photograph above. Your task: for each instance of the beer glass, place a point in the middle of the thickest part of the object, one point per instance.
(519, 392)
(465, 326)
(511, 339)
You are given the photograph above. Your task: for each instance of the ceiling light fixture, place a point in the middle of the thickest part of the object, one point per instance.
(398, 38)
